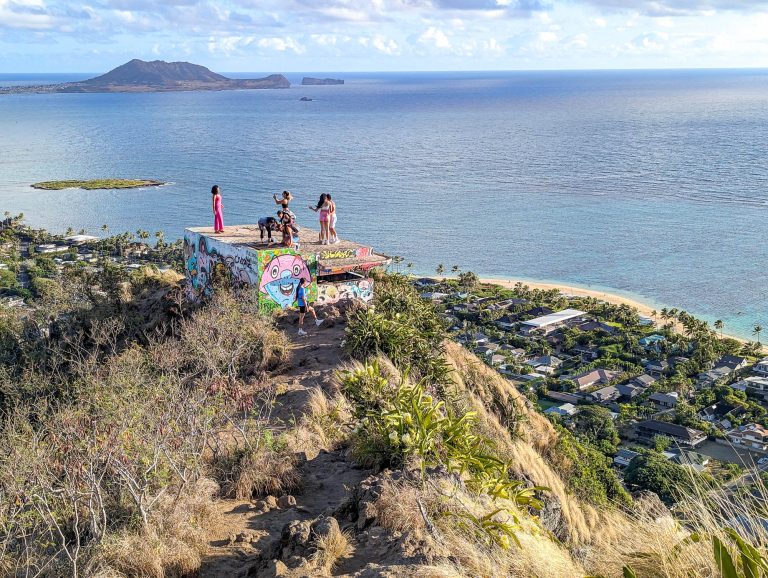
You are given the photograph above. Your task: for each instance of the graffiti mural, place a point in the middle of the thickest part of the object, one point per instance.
(280, 272)
(209, 261)
(330, 293)
(274, 273)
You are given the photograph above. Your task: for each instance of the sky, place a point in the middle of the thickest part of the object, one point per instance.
(383, 35)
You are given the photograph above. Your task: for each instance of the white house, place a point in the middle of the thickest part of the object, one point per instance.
(548, 323)
(565, 410)
(752, 436)
(761, 367)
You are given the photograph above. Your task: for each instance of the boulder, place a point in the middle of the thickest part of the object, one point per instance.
(286, 501)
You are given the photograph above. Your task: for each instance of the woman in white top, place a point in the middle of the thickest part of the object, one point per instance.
(332, 222)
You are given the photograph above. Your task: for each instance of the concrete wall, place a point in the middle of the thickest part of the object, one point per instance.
(330, 293)
(273, 273)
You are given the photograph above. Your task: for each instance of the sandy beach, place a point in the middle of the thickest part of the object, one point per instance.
(644, 309)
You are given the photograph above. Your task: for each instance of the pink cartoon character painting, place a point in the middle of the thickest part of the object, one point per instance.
(281, 276)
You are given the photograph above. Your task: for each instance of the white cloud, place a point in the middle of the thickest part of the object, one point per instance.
(435, 37)
(281, 44)
(599, 22)
(547, 36)
(385, 45)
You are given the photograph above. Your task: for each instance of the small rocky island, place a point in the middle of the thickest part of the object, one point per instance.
(156, 76)
(95, 184)
(309, 81)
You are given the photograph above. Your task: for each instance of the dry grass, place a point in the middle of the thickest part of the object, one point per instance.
(331, 548)
(534, 436)
(173, 546)
(327, 419)
(397, 508)
(264, 471)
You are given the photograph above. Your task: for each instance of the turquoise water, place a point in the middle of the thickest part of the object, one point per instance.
(651, 183)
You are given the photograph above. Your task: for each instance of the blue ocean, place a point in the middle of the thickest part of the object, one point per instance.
(649, 183)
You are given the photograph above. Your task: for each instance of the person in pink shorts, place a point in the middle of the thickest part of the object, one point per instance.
(218, 210)
(324, 208)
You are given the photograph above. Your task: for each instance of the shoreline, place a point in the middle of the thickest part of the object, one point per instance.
(607, 296)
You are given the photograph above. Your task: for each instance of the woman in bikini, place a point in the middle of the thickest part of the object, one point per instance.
(332, 221)
(284, 200)
(324, 208)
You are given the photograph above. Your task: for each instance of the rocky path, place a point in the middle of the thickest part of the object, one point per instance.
(253, 533)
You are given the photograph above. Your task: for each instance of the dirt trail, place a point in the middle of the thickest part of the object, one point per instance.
(247, 534)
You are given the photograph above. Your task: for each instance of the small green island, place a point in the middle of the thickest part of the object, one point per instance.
(97, 184)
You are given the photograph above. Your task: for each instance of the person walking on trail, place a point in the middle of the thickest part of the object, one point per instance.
(218, 210)
(304, 306)
(332, 222)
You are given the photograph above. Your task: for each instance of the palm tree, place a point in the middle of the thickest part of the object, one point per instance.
(104, 228)
(455, 269)
(440, 269)
(719, 326)
(160, 236)
(69, 232)
(756, 331)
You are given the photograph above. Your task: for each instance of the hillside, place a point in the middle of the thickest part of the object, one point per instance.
(155, 73)
(141, 436)
(156, 76)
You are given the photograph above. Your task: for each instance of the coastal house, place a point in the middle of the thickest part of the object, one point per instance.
(605, 395)
(761, 367)
(733, 362)
(546, 364)
(599, 376)
(497, 360)
(652, 342)
(546, 324)
(424, 282)
(487, 349)
(646, 431)
(643, 380)
(721, 414)
(624, 457)
(713, 376)
(657, 367)
(689, 459)
(593, 325)
(664, 400)
(751, 436)
(564, 410)
(629, 391)
(516, 352)
(587, 353)
(755, 384)
(506, 323)
(435, 296)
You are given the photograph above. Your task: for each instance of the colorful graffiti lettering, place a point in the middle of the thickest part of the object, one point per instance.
(340, 254)
(330, 293)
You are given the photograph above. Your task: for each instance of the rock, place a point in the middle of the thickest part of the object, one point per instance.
(260, 506)
(273, 569)
(324, 527)
(271, 502)
(286, 501)
(366, 514)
